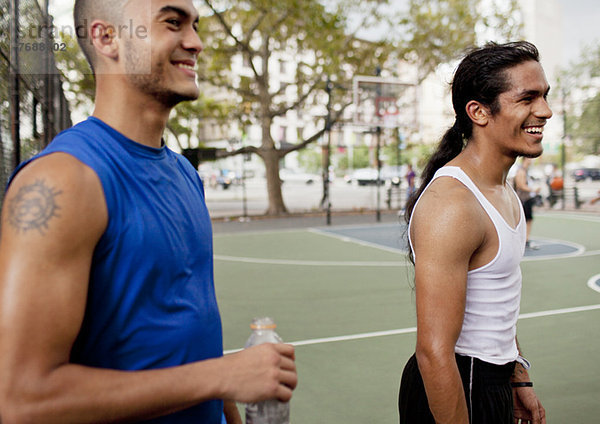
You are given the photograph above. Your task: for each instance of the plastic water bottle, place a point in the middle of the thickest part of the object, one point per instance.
(268, 411)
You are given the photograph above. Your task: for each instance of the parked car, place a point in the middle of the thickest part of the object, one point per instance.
(581, 174)
(287, 175)
(367, 176)
(362, 176)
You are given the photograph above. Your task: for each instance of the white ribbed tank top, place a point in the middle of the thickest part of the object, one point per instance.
(493, 290)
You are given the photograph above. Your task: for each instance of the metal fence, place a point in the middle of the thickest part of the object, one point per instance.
(33, 108)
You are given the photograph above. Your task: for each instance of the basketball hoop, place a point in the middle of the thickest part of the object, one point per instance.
(385, 102)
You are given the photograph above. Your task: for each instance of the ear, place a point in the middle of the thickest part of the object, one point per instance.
(104, 39)
(478, 113)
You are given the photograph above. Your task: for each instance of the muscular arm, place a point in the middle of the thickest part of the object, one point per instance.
(444, 239)
(53, 216)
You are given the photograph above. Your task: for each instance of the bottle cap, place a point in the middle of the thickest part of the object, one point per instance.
(264, 323)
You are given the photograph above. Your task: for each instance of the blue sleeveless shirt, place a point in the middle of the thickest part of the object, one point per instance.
(151, 301)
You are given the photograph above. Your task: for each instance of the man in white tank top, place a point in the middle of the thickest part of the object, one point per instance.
(467, 237)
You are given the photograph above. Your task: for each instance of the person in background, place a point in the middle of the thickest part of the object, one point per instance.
(410, 181)
(527, 196)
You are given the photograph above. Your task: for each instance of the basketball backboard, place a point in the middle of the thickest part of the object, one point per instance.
(385, 102)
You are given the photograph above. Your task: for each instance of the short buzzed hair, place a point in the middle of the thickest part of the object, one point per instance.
(84, 12)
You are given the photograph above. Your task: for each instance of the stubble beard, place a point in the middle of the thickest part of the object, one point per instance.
(151, 81)
(527, 154)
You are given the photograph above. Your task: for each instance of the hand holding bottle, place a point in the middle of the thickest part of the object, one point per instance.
(262, 372)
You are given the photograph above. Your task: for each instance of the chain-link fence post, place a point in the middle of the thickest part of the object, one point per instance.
(14, 83)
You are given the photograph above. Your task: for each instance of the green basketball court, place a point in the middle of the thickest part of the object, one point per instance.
(343, 295)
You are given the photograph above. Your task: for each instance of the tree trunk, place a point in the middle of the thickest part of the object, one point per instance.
(268, 152)
(276, 204)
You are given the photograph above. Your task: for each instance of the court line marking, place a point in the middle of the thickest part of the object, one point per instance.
(302, 229)
(349, 239)
(258, 232)
(579, 250)
(592, 283)
(409, 330)
(586, 254)
(399, 264)
(359, 226)
(542, 214)
(308, 263)
(566, 215)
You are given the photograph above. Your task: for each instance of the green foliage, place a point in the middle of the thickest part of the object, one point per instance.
(309, 40)
(76, 72)
(310, 160)
(188, 119)
(356, 158)
(392, 155)
(579, 87)
(360, 157)
(587, 126)
(439, 31)
(314, 37)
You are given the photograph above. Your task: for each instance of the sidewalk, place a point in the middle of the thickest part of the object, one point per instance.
(350, 204)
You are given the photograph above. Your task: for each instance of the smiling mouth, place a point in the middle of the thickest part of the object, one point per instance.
(185, 66)
(188, 67)
(538, 130)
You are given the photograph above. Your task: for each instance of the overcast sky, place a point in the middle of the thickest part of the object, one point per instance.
(581, 23)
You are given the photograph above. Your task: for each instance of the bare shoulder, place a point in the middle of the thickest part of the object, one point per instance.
(51, 195)
(448, 212)
(447, 200)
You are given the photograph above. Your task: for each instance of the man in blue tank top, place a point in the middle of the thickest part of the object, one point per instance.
(467, 236)
(107, 303)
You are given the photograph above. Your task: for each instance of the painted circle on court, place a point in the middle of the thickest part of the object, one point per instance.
(594, 283)
(551, 248)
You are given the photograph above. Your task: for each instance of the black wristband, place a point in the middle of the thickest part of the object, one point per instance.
(522, 384)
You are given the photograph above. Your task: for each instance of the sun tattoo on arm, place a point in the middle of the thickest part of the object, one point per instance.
(33, 207)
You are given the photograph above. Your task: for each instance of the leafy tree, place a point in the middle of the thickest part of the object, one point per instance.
(588, 126)
(438, 31)
(325, 38)
(579, 87)
(318, 37)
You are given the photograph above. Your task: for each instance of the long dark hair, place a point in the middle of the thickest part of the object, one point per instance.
(480, 76)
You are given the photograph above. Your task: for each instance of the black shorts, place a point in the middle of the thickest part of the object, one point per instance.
(528, 208)
(487, 392)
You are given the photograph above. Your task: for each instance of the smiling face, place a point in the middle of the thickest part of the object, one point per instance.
(518, 126)
(170, 49)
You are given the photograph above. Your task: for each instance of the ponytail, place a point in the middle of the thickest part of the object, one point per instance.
(450, 146)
